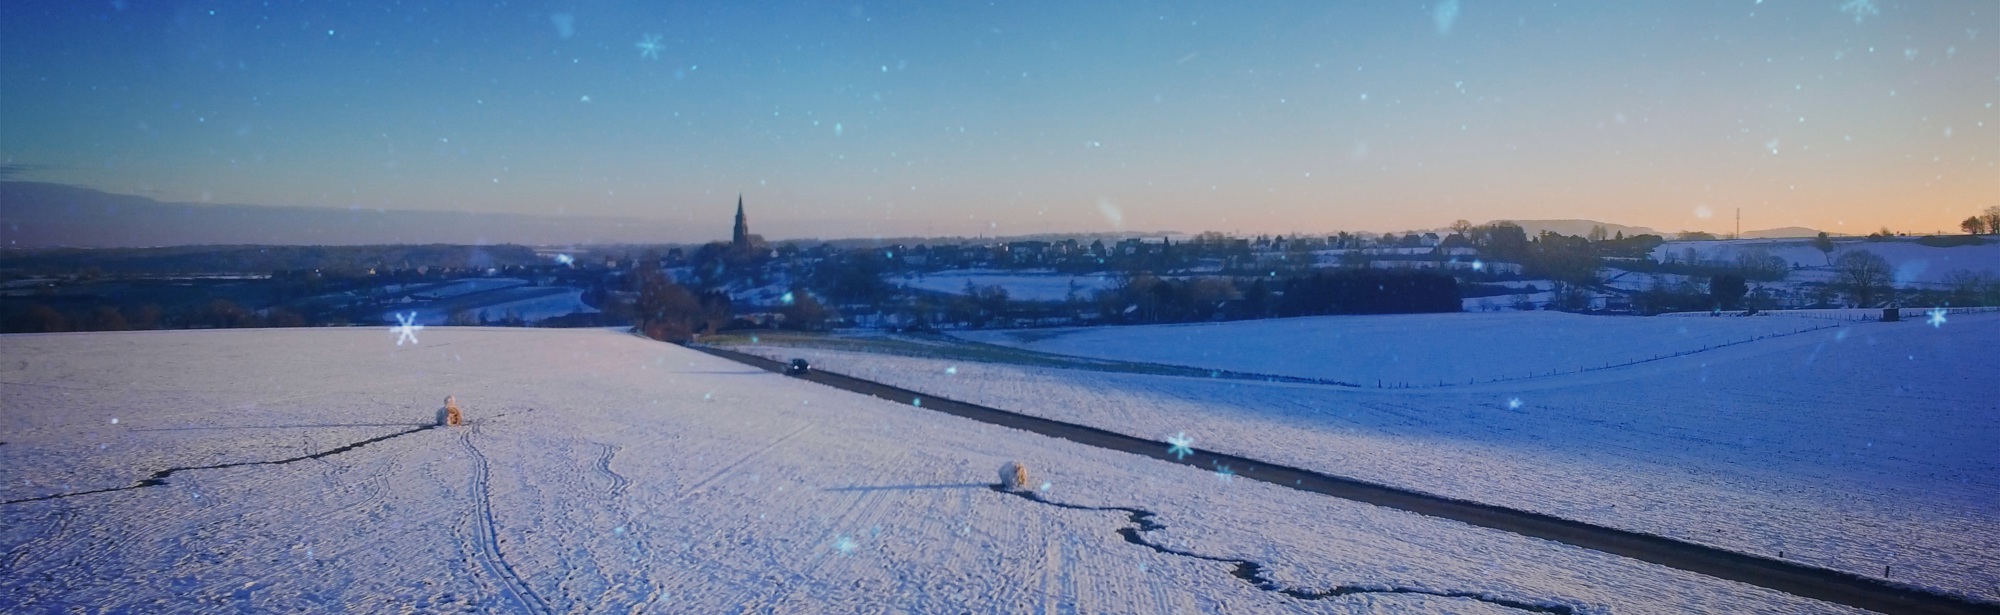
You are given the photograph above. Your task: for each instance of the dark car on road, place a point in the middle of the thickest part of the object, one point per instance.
(798, 367)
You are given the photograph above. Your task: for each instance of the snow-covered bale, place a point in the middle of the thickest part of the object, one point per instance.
(1013, 476)
(449, 415)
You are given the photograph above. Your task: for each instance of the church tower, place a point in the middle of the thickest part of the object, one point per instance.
(740, 241)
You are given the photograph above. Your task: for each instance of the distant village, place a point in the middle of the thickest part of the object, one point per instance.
(683, 291)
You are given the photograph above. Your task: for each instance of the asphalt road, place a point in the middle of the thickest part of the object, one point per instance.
(1807, 581)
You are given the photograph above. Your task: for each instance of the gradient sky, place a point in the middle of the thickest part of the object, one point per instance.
(937, 118)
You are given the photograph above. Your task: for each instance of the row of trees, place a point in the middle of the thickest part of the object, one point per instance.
(216, 314)
(663, 310)
(1985, 222)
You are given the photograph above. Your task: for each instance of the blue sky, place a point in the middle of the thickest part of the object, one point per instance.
(1008, 118)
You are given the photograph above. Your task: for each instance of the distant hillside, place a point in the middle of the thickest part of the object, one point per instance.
(216, 259)
(1578, 227)
(1789, 232)
(44, 215)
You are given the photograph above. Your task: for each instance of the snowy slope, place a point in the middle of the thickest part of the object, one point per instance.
(530, 303)
(605, 473)
(467, 286)
(1911, 262)
(533, 309)
(1021, 286)
(1403, 350)
(1852, 448)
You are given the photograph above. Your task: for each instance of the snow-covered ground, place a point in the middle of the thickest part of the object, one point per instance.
(1535, 292)
(1912, 263)
(1861, 447)
(605, 473)
(532, 309)
(529, 303)
(1020, 285)
(1403, 349)
(466, 286)
(1642, 281)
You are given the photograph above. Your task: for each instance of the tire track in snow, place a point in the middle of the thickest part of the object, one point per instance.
(487, 537)
(585, 574)
(1824, 584)
(627, 530)
(1254, 573)
(618, 481)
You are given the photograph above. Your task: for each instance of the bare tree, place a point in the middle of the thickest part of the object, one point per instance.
(1992, 216)
(1825, 245)
(663, 310)
(1864, 276)
(1974, 225)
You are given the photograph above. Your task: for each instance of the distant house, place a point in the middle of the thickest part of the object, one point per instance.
(1027, 252)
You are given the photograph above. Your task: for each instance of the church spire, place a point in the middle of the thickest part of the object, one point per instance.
(740, 240)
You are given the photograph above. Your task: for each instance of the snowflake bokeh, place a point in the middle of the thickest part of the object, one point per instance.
(1179, 445)
(1860, 9)
(408, 329)
(650, 47)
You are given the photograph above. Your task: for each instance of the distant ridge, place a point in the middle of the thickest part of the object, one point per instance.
(1789, 232)
(46, 215)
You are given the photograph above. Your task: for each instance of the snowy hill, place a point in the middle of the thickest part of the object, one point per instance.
(1787, 232)
(1912, 262)
(603, 473)
(1020, 285)
(1854, 448)
(1403, 349)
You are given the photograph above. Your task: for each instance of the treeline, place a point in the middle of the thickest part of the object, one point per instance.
(216, 314)
(1369, 292)
(259, 259)
(1569, 259)
(663, 310)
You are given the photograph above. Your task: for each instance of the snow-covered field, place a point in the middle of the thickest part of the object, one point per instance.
(1856, 448)
(1912, 263)
(1020, 285)
(529, 303)
(467, 286)
(569, 301)
(605, 473)
(1406, 349)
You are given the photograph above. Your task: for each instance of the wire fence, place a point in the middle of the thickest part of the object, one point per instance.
(1848, 314)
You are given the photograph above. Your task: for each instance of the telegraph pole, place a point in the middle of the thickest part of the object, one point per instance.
(1739, 224)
